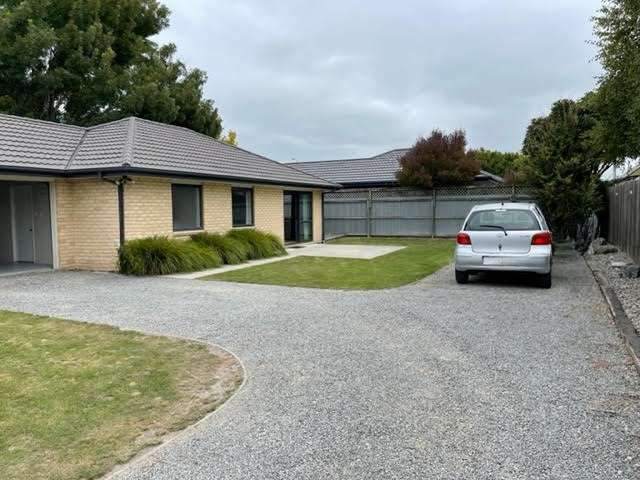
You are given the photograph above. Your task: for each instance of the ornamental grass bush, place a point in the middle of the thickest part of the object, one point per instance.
(230, 250)
(259, 244)
(162, 255)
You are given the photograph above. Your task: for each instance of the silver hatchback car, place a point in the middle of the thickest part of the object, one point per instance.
(505, 237)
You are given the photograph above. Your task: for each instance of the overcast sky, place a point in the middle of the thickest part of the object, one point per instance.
(348, 78)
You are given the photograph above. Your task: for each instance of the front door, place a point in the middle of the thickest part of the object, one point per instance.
(22, 216)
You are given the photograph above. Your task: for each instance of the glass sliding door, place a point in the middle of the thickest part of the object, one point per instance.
(289, 231)
(305, 220)
(298, 216)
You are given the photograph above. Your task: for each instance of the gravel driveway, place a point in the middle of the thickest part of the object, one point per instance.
(432, 380)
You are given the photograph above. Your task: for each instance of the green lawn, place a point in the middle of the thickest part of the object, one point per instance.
(421, 258)
(76, 399)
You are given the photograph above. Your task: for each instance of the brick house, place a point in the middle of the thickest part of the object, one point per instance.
(69, 196)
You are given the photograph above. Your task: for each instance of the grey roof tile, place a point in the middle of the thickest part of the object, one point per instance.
(378, 169)
(137, 144)
(25, 142)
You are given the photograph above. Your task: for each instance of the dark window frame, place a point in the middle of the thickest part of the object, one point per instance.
(253, 208)
(201, 207)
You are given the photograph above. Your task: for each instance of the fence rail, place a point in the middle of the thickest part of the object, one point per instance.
(409, 212)
(624, 216)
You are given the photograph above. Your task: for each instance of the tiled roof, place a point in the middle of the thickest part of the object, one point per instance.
(380, 169)
(36, 144)
(136, 145)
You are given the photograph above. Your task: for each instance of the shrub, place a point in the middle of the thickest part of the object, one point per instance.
(231, 250)
(259, 244)
(437, 161)
(162, 256)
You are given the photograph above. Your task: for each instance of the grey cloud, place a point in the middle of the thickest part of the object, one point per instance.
(333, 79)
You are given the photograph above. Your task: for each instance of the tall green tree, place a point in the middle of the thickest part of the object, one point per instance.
(496, 162)
(563, 164)
(87, 61)
(439, 160)
(617, 30)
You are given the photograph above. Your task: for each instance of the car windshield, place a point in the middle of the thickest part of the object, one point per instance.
(502, 219)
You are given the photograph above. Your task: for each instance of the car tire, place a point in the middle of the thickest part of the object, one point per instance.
(544, 280)
(462, 277)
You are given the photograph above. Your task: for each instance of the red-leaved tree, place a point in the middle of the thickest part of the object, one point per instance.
(437, 161)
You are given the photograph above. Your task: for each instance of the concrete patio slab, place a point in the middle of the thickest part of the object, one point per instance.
(364, 252)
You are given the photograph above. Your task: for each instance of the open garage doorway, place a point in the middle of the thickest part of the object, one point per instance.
(25, 227)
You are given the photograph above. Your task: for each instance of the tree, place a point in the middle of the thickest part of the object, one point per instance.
(84, 62)
(564, 167)
(498, 163)
(617, 29)
(231, 138)
(440, 160)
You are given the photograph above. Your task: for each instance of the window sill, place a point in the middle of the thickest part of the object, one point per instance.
(186, 233)
(242, 227)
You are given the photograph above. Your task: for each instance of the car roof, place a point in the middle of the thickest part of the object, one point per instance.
(505, 205)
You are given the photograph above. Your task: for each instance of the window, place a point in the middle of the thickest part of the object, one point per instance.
(187, 207)
(242, 206)
(502, 218)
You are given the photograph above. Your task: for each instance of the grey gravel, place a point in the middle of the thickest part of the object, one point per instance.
(433, 380)
(627, 289)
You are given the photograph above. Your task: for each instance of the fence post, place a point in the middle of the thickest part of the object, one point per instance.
(369, 209)
(433, 212)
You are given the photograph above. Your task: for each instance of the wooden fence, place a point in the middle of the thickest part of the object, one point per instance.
(624, 216)
(405, 211)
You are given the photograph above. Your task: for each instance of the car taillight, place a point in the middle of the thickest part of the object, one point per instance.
(463, 239)
(541, 238)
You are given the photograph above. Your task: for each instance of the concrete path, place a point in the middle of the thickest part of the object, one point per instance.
(433, 380)
(365, 252)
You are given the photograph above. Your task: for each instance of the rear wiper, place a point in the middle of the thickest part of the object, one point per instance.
(495, 226)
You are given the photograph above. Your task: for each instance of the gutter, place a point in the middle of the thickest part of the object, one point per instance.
(128, 170)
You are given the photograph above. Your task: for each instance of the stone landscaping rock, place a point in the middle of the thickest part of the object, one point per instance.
(620, 264)
(631, 271)
(604, 250)
(627, 288)
(598, 242)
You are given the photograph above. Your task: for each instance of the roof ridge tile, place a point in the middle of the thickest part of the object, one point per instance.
(75, 150)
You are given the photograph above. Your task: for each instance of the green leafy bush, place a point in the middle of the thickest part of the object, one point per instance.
(162, 256)
(231, 250)
(258, 244)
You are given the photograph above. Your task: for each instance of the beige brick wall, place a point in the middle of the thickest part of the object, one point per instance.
(268, 210)
(317, 216)
(87, 222)
(147, 208)
(216, 200)
(87, 216)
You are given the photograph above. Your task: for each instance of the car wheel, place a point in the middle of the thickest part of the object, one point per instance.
(544, 280)
(462, 277)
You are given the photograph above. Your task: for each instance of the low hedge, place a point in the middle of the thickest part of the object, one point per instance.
(163, 256)
(231, 250)
(258, 244)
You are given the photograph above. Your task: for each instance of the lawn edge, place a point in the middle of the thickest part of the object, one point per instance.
(171, 437)
(625, 327)
(404, 285)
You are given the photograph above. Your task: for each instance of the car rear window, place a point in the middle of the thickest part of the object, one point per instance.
(485, 220)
